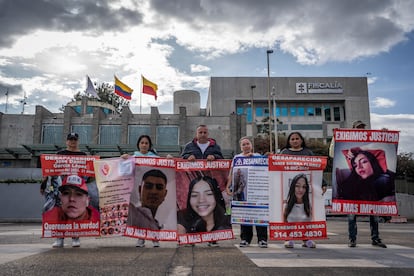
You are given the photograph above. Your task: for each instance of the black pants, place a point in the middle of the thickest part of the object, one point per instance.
(246, 233)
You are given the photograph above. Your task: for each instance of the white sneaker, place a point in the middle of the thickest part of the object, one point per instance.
(58, 243)
(156, 243)
(75, 242)
(140, 243)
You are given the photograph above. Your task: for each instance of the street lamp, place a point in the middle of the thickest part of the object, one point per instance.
(274, 117)
(252, 87)
(268, 52)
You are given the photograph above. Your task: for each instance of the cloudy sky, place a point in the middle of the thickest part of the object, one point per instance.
(48, 47)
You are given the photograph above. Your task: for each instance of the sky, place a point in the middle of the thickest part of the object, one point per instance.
(48, 47)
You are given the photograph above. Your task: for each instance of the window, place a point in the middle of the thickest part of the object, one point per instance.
(337, 113)
(240, 111)
(318, 111)
(277, 111)
(109, 134)
(301, 111)
(85, 133)
(259, 112)
(284, 111)
(52, 134)
(306, 127)
(167, 135)
(327, 112)
(135, 131)
(293, 111)
(310, 111)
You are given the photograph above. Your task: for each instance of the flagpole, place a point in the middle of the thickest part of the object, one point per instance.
(140, 97)
(7, 99)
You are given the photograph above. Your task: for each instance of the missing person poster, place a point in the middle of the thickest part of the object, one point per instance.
(201, 201)
(115, 180)
(296, 205)
(250, 189)
(363, 173)
(152, 209)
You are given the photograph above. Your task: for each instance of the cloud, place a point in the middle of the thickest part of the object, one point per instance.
(20, 17)
(197, 68)
(380, 102)
(400, 122)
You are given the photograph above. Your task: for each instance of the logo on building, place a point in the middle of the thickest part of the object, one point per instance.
(318, 87)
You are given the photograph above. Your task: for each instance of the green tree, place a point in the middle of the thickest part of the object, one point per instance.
(105, 91)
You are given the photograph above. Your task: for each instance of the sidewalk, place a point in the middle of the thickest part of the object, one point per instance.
(23, 252)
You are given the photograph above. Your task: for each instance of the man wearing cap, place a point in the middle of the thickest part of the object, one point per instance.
(72, 148)
(152, 193)
(373, 220)
(75, 202)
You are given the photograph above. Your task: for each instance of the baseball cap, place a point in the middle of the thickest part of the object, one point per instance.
(357, 124)
(72, 135)
(74, 181)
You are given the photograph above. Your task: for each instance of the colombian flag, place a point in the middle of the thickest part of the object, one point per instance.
(149, 88)
(122, 89)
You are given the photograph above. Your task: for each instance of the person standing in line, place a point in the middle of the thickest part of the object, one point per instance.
(72, 148)
(296, 145)
(246, 231)
(202, 147)
(352, 224)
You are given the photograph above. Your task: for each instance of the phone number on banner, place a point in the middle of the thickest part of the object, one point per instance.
(298, 230)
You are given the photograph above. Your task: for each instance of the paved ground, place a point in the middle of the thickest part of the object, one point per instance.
(23, 252)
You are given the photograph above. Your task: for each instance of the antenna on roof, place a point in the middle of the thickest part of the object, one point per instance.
(23, 102)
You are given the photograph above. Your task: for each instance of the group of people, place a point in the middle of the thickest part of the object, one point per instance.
(205, 209)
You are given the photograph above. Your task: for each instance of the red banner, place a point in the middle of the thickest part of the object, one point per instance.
(54, 164)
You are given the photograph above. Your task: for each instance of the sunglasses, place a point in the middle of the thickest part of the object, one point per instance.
(150, 186)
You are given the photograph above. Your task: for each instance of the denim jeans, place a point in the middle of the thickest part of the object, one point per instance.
(353, 231)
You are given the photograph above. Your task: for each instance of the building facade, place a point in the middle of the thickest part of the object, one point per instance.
(236, 106)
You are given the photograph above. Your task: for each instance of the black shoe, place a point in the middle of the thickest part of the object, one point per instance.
(379, 243)
(352, 243)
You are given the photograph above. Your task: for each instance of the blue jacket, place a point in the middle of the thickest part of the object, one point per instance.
(192, 149)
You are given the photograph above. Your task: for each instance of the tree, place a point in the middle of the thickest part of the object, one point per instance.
(106, 92)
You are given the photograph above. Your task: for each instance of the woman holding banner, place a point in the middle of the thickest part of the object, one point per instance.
(246, 231)
(296, 145)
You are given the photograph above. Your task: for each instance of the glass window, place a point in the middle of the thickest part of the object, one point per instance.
(85, 133)
(109, 134)
(305, 127)
(284, 111)
(318, 111)
(167, 135)
(327, 113)
(266, 111)
(337, 113)
(259, 112)
(135, 131)
(277, 111)
(293, 111)
(240, 111)
(311, 111)
(301, 111)
(52, 134)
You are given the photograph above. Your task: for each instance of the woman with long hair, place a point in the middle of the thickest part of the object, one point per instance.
(205, 211)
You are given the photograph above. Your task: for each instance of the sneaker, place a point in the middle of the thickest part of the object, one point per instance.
(140, 243)
(58, 243)
(352, 243)
(289, 244)
(309, 244)
(75, 242)
(379, 243)
(263, 244)
(244, 243)
(213, 244)
(156, 243)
